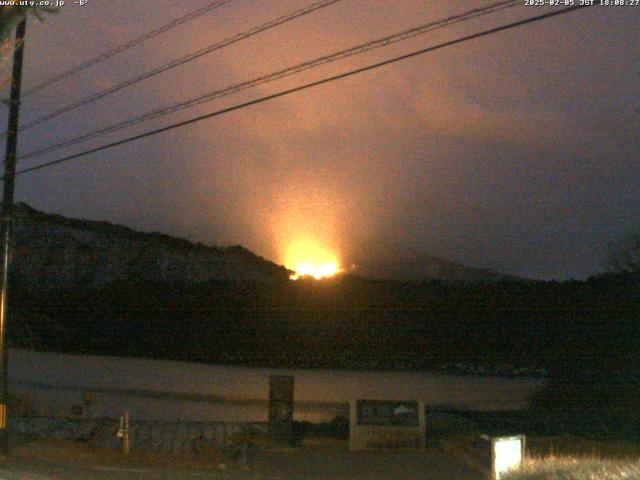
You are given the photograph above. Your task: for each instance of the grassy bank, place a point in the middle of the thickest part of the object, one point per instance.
(568, 457)
(576, 468)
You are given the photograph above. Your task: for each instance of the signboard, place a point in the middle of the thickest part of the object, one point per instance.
(386, 425)
(281, 409)
(507, 454)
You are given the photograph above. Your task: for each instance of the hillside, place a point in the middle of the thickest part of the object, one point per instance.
(52, 251)
(426, 267)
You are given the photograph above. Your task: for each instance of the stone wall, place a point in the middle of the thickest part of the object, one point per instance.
(174, 437)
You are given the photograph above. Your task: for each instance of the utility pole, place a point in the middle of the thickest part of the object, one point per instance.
(7, 209)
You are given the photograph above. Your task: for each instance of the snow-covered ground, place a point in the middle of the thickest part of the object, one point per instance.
(167, 390)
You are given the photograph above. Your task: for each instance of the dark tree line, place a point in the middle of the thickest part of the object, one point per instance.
(586, 335)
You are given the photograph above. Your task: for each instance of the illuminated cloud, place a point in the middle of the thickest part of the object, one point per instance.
(516, 152)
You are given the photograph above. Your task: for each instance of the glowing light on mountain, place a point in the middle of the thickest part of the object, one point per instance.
(310, 259)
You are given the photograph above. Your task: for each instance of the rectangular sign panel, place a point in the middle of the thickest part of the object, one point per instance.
(507, 454)
(386, 425)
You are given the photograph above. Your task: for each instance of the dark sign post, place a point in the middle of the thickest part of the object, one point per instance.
(281, 409)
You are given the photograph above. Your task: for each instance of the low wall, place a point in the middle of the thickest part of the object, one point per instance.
(174, 437)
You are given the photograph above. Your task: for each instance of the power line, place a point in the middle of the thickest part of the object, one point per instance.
(365, 47)
(283, 93)
(180, 61)
(125, 46)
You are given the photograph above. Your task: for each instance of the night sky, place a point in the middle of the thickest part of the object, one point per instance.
(517, 152)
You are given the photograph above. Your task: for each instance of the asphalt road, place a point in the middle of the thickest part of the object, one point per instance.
(299, 464)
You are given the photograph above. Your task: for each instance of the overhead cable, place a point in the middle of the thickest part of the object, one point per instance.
(307, 86)
(125, 46)
(180, 61)
(358, 49)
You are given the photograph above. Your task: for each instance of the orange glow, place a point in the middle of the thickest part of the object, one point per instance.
(310, 259)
